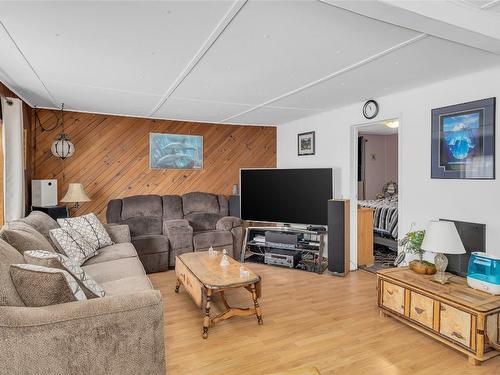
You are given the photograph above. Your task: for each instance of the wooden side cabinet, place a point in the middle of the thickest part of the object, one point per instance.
(365, 236)
(465, 319)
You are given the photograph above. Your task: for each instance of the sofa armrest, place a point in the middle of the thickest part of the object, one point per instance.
(228, 223)
(119, 233)
(179, 233)
(120, 334)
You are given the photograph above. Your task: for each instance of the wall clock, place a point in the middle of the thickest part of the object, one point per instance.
(370, 109)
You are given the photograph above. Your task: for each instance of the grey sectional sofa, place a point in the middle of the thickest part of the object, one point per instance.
(121, 333)
(163, 227)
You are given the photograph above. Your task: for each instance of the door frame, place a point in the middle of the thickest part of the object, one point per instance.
(353, 184)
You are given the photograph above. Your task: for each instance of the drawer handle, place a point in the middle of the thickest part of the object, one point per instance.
(418, 310)
(390, 292)
(457, 335)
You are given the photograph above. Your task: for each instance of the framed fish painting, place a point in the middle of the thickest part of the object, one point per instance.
(463, 141)
(175, 151)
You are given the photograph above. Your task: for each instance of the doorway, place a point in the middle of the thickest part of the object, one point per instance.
(377, 194)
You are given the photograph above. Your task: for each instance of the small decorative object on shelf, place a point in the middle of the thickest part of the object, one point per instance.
(412, 244)
(224, 262)
(442, 238)
(244, 272)
(212, 252)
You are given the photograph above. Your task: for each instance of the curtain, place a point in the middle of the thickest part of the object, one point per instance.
(13, 156)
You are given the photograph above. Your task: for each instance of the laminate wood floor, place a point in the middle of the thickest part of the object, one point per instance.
(309, 320)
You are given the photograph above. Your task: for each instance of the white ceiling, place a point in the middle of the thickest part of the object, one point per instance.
(239, 62)
(378, 128)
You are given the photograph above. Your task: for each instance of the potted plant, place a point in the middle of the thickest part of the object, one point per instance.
(412, 244)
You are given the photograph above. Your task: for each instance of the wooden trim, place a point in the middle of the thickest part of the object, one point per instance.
(437, 316)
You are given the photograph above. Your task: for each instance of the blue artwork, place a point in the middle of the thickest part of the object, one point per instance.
(461, 137)
(463, 141)
(175, 151)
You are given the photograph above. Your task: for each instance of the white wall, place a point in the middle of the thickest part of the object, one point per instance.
(421, 198)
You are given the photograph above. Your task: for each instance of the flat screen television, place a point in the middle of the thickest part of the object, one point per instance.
(293, 196)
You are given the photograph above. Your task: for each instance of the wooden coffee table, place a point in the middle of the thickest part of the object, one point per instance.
(203, 276)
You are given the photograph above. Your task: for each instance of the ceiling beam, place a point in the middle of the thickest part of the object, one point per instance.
(332, 75)
(469, 26)
(214, 35)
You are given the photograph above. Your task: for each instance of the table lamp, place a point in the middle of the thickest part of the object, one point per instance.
(441, 237)
(76, 194)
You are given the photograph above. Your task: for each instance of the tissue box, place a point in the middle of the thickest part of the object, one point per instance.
(483, 272)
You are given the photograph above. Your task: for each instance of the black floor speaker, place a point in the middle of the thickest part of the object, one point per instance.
(338, 236)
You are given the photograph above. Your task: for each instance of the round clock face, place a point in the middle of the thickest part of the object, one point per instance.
(370, 109)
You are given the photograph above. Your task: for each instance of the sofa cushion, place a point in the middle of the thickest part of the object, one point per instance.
(204, 240)
(24, 237)
(42, 222)
(90, 228)
(60, 261)
(42, 286)
(150, 244)
(72, 244)
(142, 205)
(8, 292)
(223, 205)
(202, 221)
(127, 285)
(113, 252)
(144, 225)
(200, 202)
(172, 207)
(115, 269)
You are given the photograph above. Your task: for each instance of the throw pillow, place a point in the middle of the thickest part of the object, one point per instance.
(90, 228)
(42, 286)
(8, 292)
(24, 237)
(72, 244)
(54, 260)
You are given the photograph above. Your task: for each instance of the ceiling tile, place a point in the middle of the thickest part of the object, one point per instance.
(272, 116)
(17, 74)
(99, 100)
(272, 47)
(423, 62)
(196, 110)
(134, 46)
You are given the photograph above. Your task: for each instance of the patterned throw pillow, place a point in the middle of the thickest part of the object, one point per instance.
(42, 286)
(90, 228)
(72, 244)
(54, 260)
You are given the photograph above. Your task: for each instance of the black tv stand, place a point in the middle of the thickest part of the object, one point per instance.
(306, 254)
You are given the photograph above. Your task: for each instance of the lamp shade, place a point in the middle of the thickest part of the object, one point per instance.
(75, 194)
(442, 237)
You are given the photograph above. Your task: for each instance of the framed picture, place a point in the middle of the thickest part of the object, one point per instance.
(306, 144)
(175, 151)
(463, 141)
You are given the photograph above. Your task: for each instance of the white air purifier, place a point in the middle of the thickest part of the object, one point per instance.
(43, 193)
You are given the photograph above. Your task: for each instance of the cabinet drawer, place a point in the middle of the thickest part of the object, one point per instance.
(393, 297)
(421, 309)
(455, 324)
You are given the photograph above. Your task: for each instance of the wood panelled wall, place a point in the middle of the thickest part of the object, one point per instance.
(112, 156)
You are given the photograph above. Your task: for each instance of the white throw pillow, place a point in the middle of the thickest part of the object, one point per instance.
(54, 260)
(72, 244)
(90, 228)
(43, 286)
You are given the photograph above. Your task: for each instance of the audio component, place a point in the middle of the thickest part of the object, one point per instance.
(43, 193)
(338, 236)
(284, 258)
(283, 238)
